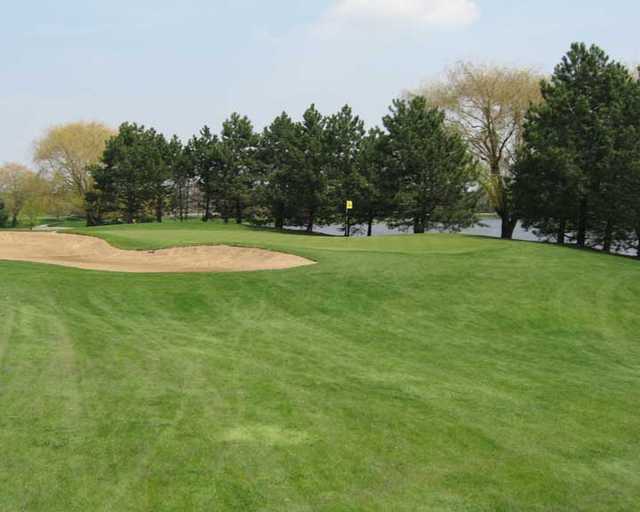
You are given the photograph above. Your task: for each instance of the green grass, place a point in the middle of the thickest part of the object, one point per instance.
(433, 373)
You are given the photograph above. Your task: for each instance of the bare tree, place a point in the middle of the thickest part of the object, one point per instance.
(488, 104)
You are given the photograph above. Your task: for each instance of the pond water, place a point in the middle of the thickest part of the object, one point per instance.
(488, 227)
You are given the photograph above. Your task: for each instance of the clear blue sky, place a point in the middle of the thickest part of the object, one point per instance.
(177, 65)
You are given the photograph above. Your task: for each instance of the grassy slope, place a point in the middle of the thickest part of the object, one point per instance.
(401, 373)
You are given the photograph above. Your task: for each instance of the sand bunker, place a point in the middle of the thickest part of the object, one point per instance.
(95, 254)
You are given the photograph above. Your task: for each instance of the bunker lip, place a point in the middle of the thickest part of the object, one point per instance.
(91, 253)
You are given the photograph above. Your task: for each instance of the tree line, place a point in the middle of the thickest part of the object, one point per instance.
(558, 154)
(417, 173)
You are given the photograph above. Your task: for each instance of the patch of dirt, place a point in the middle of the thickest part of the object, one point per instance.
(91, 253)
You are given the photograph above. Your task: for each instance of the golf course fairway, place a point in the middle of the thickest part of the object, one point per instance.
(406, 373)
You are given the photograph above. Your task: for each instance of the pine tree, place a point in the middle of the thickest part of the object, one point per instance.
(239, 145)
(577, 150)
(313, 174)
(281, 158)
(344, 133)
(181, 178)
(374, 197)
(205, 157)
(133, 173)
(434, 170)
(628, 158)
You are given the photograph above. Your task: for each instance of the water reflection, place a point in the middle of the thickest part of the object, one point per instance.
(490, 227)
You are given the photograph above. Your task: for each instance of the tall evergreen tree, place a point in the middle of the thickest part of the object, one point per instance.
(239, 145)
(313, 174)
(344, 133)
(204, 155)
(282, 158)
(575, 148)
(376, 190)
(432, 165)
(158, 172)
(628, 158)
(181, 178)
(544, 190)
(133, 173)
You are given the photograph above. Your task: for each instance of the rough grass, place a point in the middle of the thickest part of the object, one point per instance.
(434, 372)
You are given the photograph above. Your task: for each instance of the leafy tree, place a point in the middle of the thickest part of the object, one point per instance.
(579, 146)
(37, 203)
(4, 216)
(433, 168)
(66, 152)
(60, 200)
(15, 182)
(487, 104)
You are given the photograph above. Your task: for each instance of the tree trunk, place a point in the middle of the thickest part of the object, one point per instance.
(159, 210)
(187, 201)
(582, 224)
(224, 211)
(93, 218)
(370, 226)
(14, 220)
(310, 223)
(508, 226)
(181, 193)
(207, 210)
(279, 222)
(562, 229)
(418, 226)
(608, 237)
(238, 212)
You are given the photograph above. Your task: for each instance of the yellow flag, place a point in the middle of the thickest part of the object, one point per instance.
(349, 205)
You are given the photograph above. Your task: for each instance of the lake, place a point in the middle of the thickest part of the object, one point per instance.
(488, 227)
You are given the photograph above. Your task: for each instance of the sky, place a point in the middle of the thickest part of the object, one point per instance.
(178, 65)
